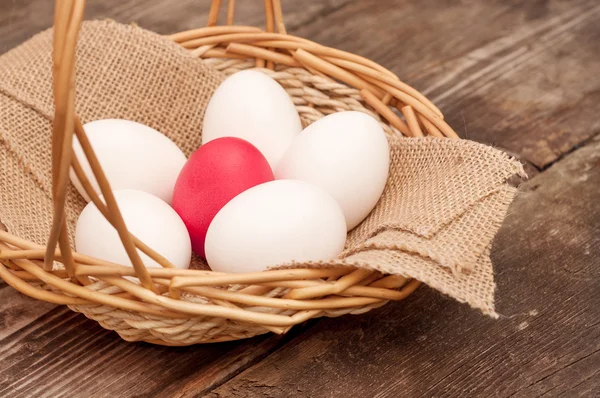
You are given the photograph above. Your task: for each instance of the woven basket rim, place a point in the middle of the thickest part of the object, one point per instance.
(310, 292)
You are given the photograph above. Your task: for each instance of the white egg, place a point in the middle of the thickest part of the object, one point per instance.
(147, 217)
(275, 223)
(252, 106)
(347, 155)
(132, 155)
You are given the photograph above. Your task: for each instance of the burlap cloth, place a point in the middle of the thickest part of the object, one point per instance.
(444, 201)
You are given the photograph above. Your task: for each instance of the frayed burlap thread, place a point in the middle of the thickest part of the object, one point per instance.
(433, 182)
(444, 201)
(458, 245)
(475, 288)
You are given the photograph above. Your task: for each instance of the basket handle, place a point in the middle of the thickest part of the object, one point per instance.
(68, 17)
(273, 14)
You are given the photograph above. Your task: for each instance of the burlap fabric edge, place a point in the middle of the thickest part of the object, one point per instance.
(441, 194)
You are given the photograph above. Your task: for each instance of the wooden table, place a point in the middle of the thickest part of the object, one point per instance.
(520, 75)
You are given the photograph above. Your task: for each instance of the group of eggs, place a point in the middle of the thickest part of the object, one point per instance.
(259, 191)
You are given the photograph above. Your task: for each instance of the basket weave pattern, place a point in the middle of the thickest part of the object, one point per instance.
(182, 307)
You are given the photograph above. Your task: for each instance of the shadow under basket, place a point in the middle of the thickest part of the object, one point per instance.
(182, 307)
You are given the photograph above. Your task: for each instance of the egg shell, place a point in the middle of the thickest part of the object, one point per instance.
(275, 223)
(132, 155)
(147, 217)
(252, 106)
(215, 174)
(347, 155)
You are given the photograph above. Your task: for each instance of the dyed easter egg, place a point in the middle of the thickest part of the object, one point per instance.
(214, 174)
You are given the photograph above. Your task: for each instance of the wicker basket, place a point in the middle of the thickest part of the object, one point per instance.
(183, 307)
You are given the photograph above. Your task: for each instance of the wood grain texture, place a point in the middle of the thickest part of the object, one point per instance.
(519, 75)
(17, 310)
(19, 20)
(546, 342)
(63, 354)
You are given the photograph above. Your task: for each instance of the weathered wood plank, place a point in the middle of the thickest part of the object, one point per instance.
(63, 354)
(17, 310)
(547, 341)
(20, 20)
(519, 75)
(531, 88)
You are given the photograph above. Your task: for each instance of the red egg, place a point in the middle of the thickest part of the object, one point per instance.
(217, 172)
